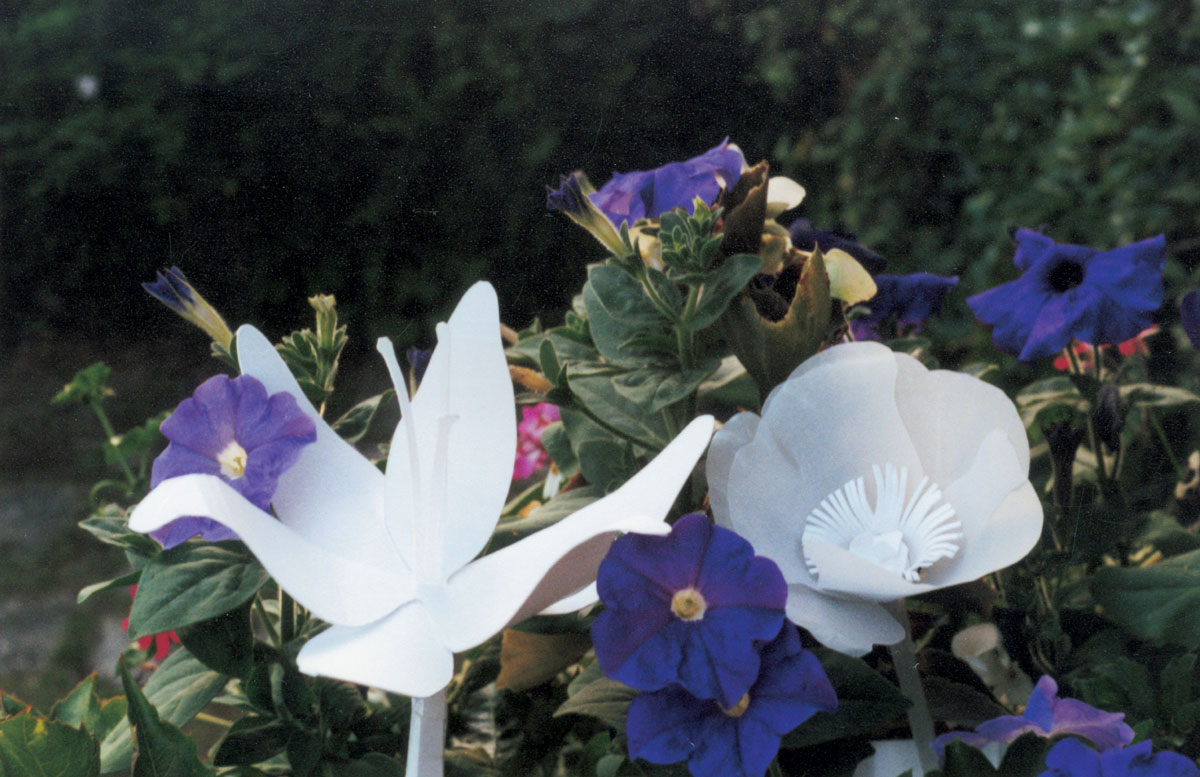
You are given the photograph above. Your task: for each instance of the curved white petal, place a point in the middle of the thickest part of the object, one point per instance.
(464, 434)
(332, 495)
(849, 281)
(399, 654)
(826, 425)
(783, 194)
(1007, 535)
(948, 414)
(848, 626)
(843, 573)
(337, 588)
(575, 602)
(558, 561)
(729, 439)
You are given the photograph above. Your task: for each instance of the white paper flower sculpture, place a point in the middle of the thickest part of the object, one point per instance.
(391, 560)
(869, 479)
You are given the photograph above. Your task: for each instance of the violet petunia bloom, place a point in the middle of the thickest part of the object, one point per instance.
(1189, 315)
(1048, 716)
(806, 237)
(692, 608)
(740, 740)
(230, 428)
(531, 454)
(906, 299)
(1072, 292)
(647, 194)
(1072, 758)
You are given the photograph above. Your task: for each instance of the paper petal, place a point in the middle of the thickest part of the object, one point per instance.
(841, 572)
(332, 495)
(336, 588)
(398, 654)
(728, 440)
(848, 280)
(783, 194)
(848, 626)
(574, 602)
(532, 574)
(466, 399)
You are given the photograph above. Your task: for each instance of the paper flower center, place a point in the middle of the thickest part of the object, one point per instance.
(1065, 275)
(232, 460)
(901, 536)
(688, 604)
(739, 709)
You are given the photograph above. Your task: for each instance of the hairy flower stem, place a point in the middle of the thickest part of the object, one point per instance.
(111, 433)
(904, 660)
(427, 736)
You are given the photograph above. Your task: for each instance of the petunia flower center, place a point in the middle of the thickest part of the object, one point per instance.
(688, 604)
(1065, 275)
(232, 460)
(738, 709)
(901, 533)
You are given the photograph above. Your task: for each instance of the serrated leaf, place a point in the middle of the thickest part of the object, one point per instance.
(604, 699)
(35, 747)
(163, 750)
(356, 422)
(193, 582)
(178, 689)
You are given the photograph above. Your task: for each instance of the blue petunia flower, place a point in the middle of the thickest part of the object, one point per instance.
(647, 194)
(742, 739)
(907, 299)
(1069, 291)
(233, 429)
(806, 237)
(691, 608)
(1072, 758)
(1048, 716)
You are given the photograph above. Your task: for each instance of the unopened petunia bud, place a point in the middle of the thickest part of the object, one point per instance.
(1107, 417)
(171, 288)
(1063, 439)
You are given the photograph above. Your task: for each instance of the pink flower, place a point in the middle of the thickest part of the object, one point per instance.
(531, 456)
(1085, 351)
(162, 642)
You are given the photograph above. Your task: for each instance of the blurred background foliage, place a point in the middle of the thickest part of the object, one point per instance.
(393, 152)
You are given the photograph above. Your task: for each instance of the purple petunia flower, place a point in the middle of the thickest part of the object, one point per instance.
(1048, 716)
(806, 237)
(1189, 316)
(691, 608)
(740, 740)
(647, 194)
(1069, 291)
(1072, 758)
(230, 428)
(908, 299)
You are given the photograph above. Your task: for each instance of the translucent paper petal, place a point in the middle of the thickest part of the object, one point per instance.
(1003, 539)
(783, 194)
(332, 495)
(848, 626)
(340, 589)
(728, 440)
(826, 425)
(398, 654)
(848, 280)
(842, 572)
(528, 576)
(574, 602)
(465, 438)
(948, 414)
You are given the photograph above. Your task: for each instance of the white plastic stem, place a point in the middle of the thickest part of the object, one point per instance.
(904, 659)
(427, 736)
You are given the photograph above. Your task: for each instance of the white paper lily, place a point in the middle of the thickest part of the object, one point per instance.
(869, 479)
(391, 560)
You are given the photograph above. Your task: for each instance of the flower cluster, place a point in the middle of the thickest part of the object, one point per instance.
(161, 642)
(696, 621)
(531, 454)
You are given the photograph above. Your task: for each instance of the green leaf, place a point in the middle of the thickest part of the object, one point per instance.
(730, 387)
(1159, 604)
(136, 442)
(224, 643)
(355, 422)
(1044, 394)
(1148, 395)
(252, 739)
(11, 705)
(962, 760)
(553, 511)
(556, 443)
(193, 582)
(87, 386)
(866, 701)
(123, 581)
(163, 750)
(110, 525)
(605, 460)
(551, 367)
(604, 699)
(1025, 756)
(618, 310)
(370, 765)
(34, 747)
(179, 688)
(80, 707)
(594, 385)
(1177, 683)
(721, 286)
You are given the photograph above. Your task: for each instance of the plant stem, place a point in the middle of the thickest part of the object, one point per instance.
(1093, 436)
(266, 619)
(427, 736)
(287, 617)
(110, 435)
(904, 660)
(1181, 471)
(213, 719)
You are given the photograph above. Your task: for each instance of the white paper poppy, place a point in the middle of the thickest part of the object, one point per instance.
(391, 561)
(870, 478)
